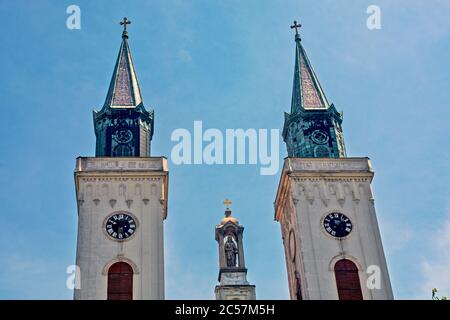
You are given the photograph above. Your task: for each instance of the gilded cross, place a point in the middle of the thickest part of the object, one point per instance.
(227, 203)
(124, 23)
(296, 27)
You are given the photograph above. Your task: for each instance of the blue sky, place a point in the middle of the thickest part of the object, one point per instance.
(229, 64)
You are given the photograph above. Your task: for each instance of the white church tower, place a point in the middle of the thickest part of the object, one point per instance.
(324, 202)
(122, 197)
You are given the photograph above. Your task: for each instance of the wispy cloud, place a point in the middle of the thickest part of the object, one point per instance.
(26, 275)
(397, 236)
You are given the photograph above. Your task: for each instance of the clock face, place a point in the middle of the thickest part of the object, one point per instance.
(319, 137)
(123, 136)
(337, 224)
(120, 226)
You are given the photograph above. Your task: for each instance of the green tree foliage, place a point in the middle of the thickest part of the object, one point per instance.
(435, 296)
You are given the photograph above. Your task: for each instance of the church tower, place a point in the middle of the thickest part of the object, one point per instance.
(233, 284)
(324, 202)
(122, 197)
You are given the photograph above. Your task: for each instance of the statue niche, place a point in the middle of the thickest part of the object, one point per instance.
(232, 277)
(231, 252)
(229, 238)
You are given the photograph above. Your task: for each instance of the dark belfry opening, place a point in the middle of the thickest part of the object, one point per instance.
(120, 282)
(347, 280)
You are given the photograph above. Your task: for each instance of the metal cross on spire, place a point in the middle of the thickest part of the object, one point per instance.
(124, 23)
(227, 203)
(296, 27)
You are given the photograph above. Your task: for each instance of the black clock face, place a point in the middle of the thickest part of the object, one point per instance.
(120, 226)
(337, 224)
(319, 137)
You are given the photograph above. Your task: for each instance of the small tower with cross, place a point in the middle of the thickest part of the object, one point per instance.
(232, 271)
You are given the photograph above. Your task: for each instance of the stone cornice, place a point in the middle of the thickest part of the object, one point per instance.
(121, 164)
(347, 165)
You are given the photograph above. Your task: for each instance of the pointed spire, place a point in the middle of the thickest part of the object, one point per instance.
(307, 92)
(124, 87)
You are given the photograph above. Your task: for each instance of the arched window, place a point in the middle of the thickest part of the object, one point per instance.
(120, 281)
(347, 280)
(122, 151)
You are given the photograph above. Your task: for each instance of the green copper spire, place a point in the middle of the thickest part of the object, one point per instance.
(307, 92)
(313, 128)
(124, 89)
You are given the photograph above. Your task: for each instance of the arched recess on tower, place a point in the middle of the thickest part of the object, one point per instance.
(120, 281)
(347, 280)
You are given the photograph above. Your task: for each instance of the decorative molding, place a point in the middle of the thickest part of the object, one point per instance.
(341, 164)
(344, 256)
(114, 164)
(112, 202)
(116, 179)
(120, 258)
(129, 202)
(329, 179)
(96, 201)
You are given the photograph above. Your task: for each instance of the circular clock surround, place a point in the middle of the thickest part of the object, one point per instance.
(123, 135)
(337, 224)
(292, 245)
(120, 225)
(319, 137)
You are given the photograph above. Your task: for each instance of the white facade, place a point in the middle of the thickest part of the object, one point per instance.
(311, 188)
(139, 187)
